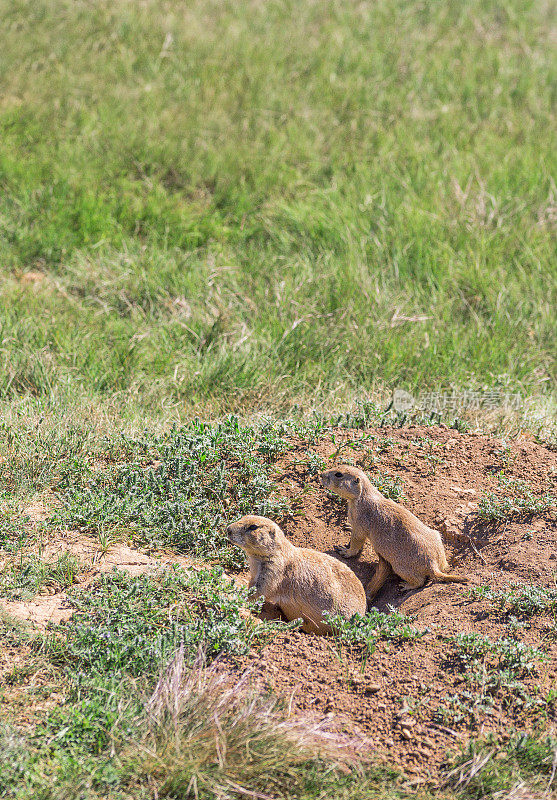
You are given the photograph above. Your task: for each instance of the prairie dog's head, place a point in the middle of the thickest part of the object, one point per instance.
(257, 536)
(344, 480)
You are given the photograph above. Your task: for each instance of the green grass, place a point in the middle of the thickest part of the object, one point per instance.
(145, 711)
(123, 633)
(487, 769)
(238, 206)
(130, 626)
(24, 577)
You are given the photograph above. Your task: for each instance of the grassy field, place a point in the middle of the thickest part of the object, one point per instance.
(241, 205)
(258, 208)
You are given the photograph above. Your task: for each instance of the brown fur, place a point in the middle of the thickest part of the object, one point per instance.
(402, 542)
(304, 583)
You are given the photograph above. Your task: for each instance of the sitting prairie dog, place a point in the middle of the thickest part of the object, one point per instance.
(304, 583)
(403, 543)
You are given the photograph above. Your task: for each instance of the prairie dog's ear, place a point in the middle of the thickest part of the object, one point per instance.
(356, 479)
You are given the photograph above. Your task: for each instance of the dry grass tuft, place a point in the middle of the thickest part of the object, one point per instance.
(208, 734)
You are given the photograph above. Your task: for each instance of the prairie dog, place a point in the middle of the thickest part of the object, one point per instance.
(304, 583)
(402, 542)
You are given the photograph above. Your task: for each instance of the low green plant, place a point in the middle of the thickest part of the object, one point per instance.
(504, 455)
(520, 501)
(14, 757)
(385, 444)
(12, 531)
(389, 485)
(429, 447)
(125, 629)
(124, 625)
(315, 464)
(24, 577)
(524, 600)
(205, 476)
(364, 414)
(372, 627)
(493, 671)
(461, 425)
(506, 656)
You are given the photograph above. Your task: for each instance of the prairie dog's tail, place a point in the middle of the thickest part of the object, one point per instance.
(448, 577)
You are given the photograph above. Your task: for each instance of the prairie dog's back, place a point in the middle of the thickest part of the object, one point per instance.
(396, 532)
(323, 581)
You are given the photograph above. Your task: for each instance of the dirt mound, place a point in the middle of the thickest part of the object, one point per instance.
(399, 694)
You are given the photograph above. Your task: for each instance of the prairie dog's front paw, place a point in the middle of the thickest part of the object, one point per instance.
(406, 586)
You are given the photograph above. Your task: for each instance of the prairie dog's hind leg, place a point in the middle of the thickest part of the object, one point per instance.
(357, 541)
(383, 572)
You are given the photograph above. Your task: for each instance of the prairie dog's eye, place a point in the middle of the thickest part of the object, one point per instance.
(252, 528)
(338, 474)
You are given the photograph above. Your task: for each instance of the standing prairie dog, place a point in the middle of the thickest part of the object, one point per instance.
(402, 542)
(304, 583)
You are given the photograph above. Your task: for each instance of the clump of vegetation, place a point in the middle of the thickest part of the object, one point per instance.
(524, 600)
(206, 735)
(508, 656)
(429, 447)
(182, 488)
(14, 757)
(126, 730)
(124, 625)
(199, 733)
(368, 629)
(504, 456)
(24, 577)
(489, 769)
(314, 464)
(491, 670)
(123, 631)
(520, 501)
(389, 485)
(12, 530)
